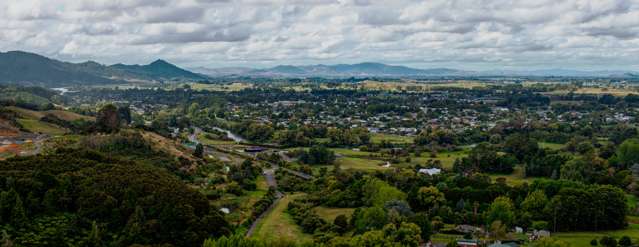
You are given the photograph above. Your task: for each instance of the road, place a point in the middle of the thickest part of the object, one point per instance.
(269, 175)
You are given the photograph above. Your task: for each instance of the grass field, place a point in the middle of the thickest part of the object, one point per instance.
(37, 126)
(446, 158)
(351, 152)
(237, 86)
(516, 178)
(280, 225)
(414, 86)
(553, 146)
(599, 90)
(396, 139)
(329, 214)
(359, 163)
(584, 238)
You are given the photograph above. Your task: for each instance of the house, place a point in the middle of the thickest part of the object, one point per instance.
(430, 171)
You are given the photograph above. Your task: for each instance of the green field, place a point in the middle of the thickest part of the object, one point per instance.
(329, 214)
(553, 146)
(446, 158)
(359, 163)
(36, 126)
(352, 153)
(280, 225)
(516, 178)
(584, 238)
(396, 139)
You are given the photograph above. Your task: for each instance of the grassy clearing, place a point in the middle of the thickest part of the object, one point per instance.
(351, 152)
(446, 158)
(36, 126)
(553, 146)
(245, 203)
(280, 225)
(584, 238)
(359, 163)
(516, 178)
(329, 214)
(396, 139)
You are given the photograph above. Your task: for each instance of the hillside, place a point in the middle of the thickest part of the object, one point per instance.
(159, 69)
(18, 67)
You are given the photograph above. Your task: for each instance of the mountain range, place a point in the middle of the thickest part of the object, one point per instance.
(19, 67)
(338, 70)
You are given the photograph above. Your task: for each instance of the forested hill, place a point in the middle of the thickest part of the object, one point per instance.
(80, 197)
(18, 67)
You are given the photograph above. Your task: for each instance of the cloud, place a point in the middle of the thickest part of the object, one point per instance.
(467, 34)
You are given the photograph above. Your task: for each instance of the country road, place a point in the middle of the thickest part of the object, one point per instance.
(268, 173)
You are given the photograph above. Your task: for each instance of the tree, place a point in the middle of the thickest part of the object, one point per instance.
(501, 209)
(95, 236)
(429, 198)
(5, 241)
(608, 241)
(627, 153)
(497, 230)
(422, 220)
(370, 219)
(408, 234)
(521, 146)
(625, 241)
(18, 214)
(199, 150)
(124, 113)
(341, 222)
(108, 119)
(535, 203)
(318, 155)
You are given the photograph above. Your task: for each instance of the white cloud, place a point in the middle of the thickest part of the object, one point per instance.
(469, 34)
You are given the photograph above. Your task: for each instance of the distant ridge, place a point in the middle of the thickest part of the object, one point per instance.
(348, 70)
(19, 67)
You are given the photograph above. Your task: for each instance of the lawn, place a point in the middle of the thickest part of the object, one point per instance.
(280, 225)
(584, 238)
(37, 126)
(329, 214)
(396, 139)
(553, 146)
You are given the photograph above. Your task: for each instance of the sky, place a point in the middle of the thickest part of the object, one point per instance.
(462, 34)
